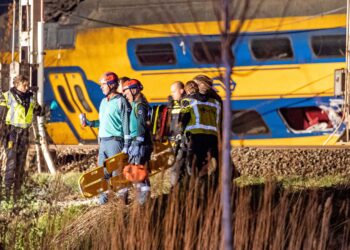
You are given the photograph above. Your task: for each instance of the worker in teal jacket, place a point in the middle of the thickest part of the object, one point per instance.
(113, 123)
(141, 146)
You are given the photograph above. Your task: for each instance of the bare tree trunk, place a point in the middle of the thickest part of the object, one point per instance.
(227, 237)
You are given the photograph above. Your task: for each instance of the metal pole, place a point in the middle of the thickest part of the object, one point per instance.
(13, 30)
(41, 120)
(347, 85)
(226, 179)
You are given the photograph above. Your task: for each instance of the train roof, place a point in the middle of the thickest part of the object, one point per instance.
(106, 13)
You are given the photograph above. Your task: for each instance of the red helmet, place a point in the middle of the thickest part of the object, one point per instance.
(132, 84)
(109, 78)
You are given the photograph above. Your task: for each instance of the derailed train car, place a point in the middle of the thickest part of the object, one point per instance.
(285, 57)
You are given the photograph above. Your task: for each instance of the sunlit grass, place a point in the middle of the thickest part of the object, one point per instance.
(296, 182)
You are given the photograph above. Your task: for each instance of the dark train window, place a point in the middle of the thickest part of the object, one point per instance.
(82, 99)
(65, 38)
(208, 52)
(65, 100)
(329, 46)
(272, 48)
(248, 122)
(156, 54)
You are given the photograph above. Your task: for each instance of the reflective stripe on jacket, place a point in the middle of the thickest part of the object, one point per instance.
(16, 114)
(204, 116)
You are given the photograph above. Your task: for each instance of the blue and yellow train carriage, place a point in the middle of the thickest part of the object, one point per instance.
(283, 75)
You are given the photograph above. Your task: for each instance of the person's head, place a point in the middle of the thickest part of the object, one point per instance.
(177, 90)
(122, 80)
(109, 83)
(21, 83)
(132, 89)
(191, 87)
(204, 83)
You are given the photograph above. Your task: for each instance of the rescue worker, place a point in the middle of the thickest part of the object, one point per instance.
(205, 86)
(21, 107)
(141, 146)
(177, 93)
(200, 122)
(121, 82)
(114, 128)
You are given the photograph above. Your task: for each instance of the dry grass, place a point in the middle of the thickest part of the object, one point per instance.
(189, 217)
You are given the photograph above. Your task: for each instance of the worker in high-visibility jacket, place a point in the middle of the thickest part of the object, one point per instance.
(205, 86)
(21, 107)
(201, 124)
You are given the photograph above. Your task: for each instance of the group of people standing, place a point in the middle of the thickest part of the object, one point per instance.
(123, 116)
(195, 125)
(195, 128)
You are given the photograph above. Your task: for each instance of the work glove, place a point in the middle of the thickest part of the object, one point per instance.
(127, 143)
(134, 149)
(84, 121)
(34, 89)
(103, 198)
(106, 174)
(125, 150)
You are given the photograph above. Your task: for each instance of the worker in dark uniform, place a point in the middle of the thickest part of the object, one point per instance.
(200, 118)
(21, 107)
(174, 133)
(177, 93)
(141, 145)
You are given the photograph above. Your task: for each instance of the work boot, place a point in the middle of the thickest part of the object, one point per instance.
(143, 193)
(123, 195)
(103, 198)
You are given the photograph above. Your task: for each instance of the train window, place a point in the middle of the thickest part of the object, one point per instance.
(208, 52)
(306, 118)
(65, 38)
(65, 100)
(272, 48)
(82, 99)
(328, 46)
(248, 122)
(50, 37)
(155, 54)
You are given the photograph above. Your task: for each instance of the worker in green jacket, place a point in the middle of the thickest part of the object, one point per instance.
(141, 145)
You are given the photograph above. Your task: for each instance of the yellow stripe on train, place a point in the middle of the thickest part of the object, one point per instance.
(294, 141)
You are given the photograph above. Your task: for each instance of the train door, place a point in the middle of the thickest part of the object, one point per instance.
(71, 94)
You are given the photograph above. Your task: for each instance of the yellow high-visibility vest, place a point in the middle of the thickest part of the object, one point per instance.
(204, 116)
(16, 114)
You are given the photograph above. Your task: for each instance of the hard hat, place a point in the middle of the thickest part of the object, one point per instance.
(132, 84)
(109, 78)
(203, 79)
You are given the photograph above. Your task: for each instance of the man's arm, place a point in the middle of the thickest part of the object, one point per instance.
(125, 117)
(3, 100)
(141, 114)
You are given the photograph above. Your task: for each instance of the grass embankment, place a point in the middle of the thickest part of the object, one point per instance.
(311, 212)
(38, 215)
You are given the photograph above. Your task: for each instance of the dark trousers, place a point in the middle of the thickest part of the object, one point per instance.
(16, 146)
(201, 149)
